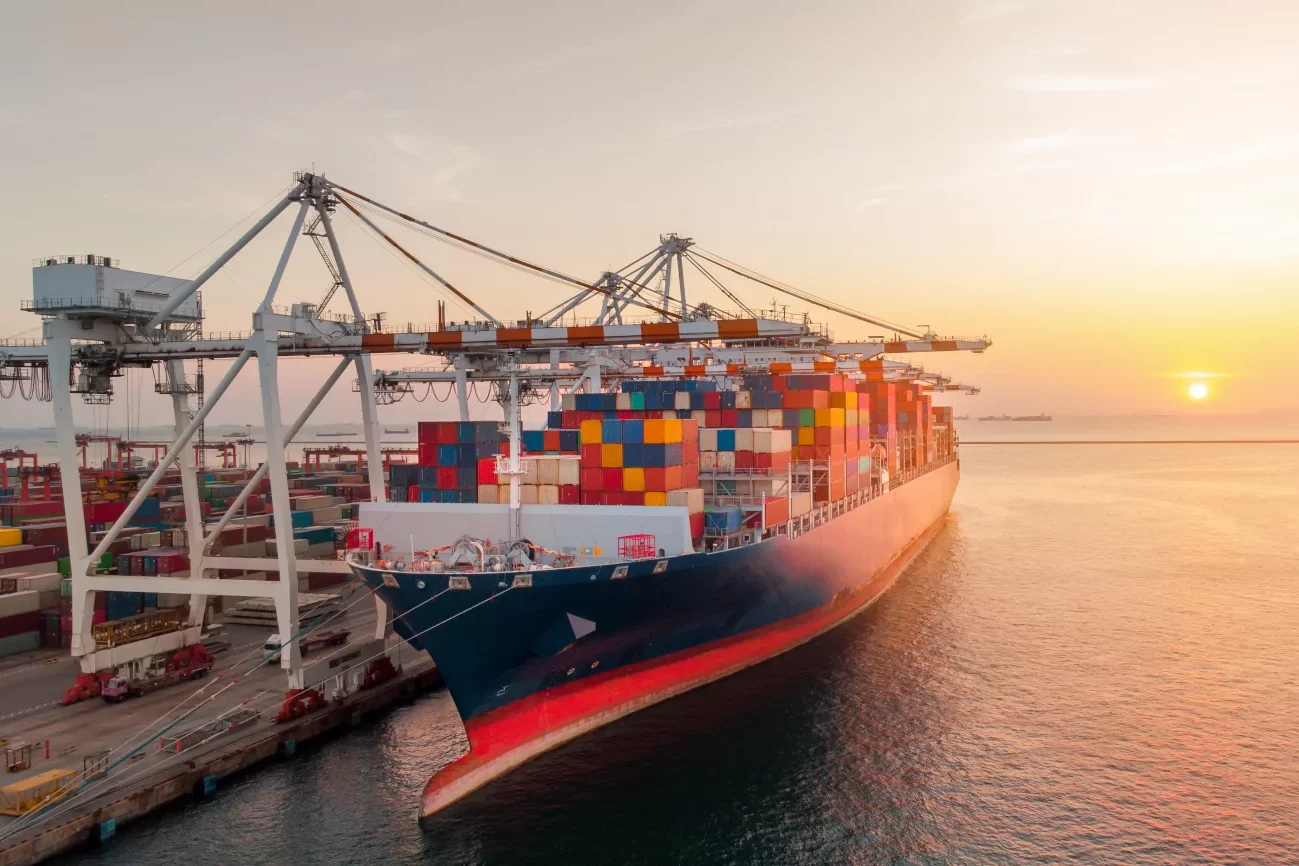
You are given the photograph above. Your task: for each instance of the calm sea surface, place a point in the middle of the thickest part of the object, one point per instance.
(1096, 660)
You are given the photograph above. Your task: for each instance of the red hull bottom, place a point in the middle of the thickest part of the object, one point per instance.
(508, 737)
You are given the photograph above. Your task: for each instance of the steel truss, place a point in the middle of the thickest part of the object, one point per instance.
(84, 347)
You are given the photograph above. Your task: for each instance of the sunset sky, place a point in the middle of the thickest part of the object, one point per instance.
(1109, 190)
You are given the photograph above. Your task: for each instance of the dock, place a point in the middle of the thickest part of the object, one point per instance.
(71, 737)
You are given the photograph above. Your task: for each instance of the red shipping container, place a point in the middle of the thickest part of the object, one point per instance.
(426, 432)
(448, 477)
(761, 460)
(590, 456)
(712, 401)
(690, 452)
(628, 414)
(633, 497)
(568, 420)
(672, 478)
(487, 470)
(776, 510)
(412, 493)
(590, 497)
(690, 431)
(611, 479)
(690, 475)
(19, 623)
(569, 494)
(730, 418)
(713, 417)
(656, 479)
(428, 454)
(697, 525)
(550, 440)
(744, 460)
(592, 479)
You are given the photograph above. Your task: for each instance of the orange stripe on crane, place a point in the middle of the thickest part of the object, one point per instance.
(378, 342)
(445, 339)
(651, 371)
(695, 370)
(660, 332)
(737, 329)
(781, 367)
(514, 337)
(586, 336)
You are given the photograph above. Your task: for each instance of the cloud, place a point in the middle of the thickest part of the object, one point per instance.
(1263, 150)
(1042, 143)
(995, 10)
(450, 162)
(1080, 84)
(732, 121)
(869, 203)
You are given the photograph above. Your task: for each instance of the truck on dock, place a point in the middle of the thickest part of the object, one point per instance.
(307, 644)
(146, 675)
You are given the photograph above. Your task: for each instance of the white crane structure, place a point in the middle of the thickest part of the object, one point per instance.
(100, 320)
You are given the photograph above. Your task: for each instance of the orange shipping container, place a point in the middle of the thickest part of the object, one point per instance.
(611, 456)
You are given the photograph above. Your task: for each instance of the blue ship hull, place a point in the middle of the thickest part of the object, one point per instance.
(535, 659)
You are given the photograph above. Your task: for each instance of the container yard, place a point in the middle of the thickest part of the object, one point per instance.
(689, 458)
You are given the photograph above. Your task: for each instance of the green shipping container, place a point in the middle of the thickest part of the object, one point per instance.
(20, 643)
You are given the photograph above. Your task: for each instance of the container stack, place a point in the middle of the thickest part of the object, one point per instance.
(654, 461)
(550, 441)
(453, 461)
(546, 480)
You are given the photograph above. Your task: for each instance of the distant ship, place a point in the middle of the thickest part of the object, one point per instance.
(962, 417)
(1041, 417)
(402, 430)
(333, 434)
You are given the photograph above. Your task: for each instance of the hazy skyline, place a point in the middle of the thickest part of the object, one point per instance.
(1105, 189)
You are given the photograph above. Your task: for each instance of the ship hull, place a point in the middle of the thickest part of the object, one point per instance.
(533, 667)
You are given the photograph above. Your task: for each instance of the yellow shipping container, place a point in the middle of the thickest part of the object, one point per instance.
(836, 417)
(611, 456)
(654, 431)
(806, 435)
(633, 478)
(10, 537)
(592, 432)
(672, 430)
(653, 497)
(843, 399)
(822, 417)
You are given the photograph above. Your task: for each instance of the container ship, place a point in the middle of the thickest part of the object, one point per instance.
(669, 534)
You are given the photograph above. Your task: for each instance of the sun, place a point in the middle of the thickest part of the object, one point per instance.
(1197, 390)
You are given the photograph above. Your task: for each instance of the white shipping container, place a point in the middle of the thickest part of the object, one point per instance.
(527, 495)
(623, 402)
(39, 582)
(503, 494)
(726, 462)
(781, 441)
(568, 403)
(743, 400)
(529, 467)
(26, 569)
(681, 401)
(770, 487)
(570, 470)
(490, 493)
(743, 439)
(548, 494)
(800, 504)
(691, 497)
(707, 439)
(15, 603)
(547, 470)
(707, 460)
